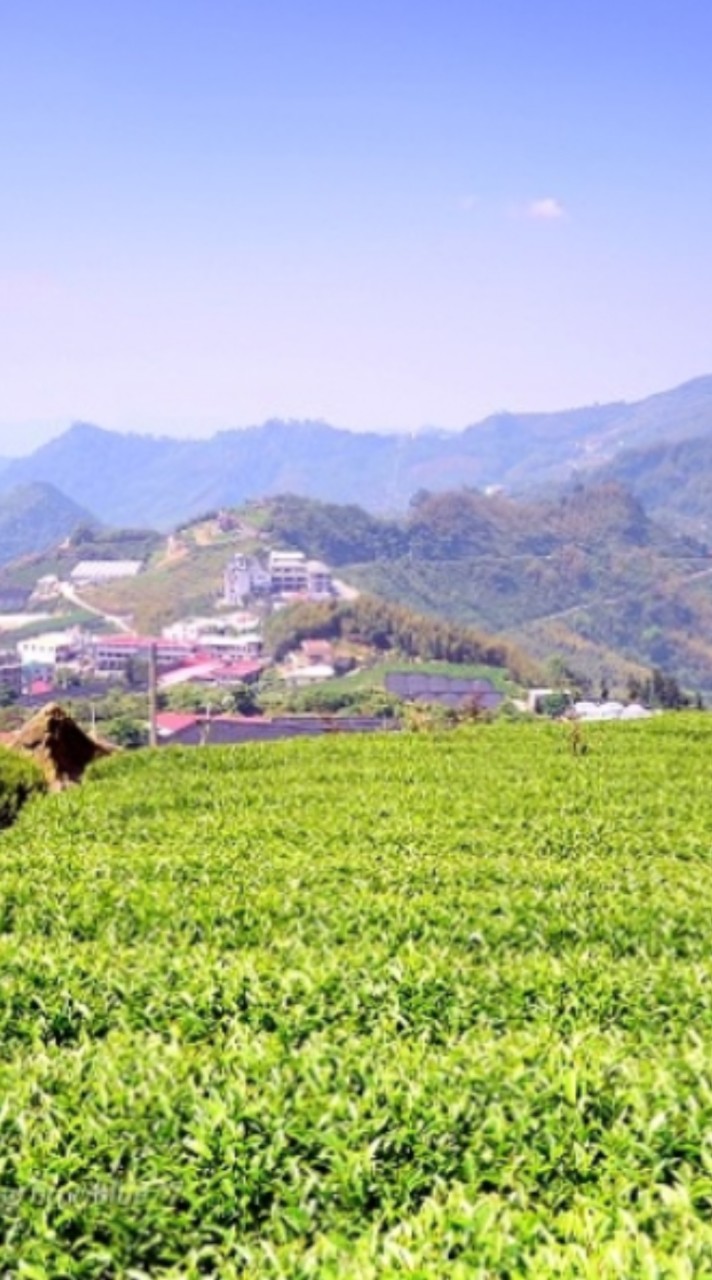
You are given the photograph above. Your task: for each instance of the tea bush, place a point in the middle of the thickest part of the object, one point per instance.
(19, 779)
(401, 1005)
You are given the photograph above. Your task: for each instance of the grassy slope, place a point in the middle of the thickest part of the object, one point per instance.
(168, 590)
(374, 677)
(178, 582)
(105, 544)
(354, 1008)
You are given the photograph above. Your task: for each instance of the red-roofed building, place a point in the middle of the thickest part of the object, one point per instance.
(40, 688)
(202, 670)
(170, 723)
(318, 650)
(111, 653)
(232, 730)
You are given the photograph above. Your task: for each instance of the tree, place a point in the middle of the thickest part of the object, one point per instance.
(136, 673)
(82, 534)
(126, 732)
(554, 705)
(8, 696)
(666, 692)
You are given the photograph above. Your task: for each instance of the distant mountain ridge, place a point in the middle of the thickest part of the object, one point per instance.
(672, 479)
(34, 517)
(160, 481)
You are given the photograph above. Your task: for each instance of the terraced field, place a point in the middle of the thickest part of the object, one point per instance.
(361, 1007)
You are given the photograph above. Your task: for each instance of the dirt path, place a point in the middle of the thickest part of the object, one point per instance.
(72, 595)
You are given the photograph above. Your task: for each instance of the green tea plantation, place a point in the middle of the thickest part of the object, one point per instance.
(352, 1007)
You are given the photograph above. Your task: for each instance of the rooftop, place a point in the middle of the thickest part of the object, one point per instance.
(99, 569)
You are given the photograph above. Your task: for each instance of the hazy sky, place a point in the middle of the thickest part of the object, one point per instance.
(383, 213)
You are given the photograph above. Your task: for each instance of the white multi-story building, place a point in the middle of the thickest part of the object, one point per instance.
(319, 581)
(243, 578)
(49, 650)
(288, 571)
(191, 630)
(111, 653)
(247, 645)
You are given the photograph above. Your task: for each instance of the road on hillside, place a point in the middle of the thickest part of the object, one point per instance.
(70, 593)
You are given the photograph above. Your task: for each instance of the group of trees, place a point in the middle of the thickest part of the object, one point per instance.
(662, 691)
(387, 627)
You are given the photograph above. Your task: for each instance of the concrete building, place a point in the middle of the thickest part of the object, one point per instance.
(230, 647)
(50, 650)
(111, 653)
(288, 571)
(300, 677)
(191, 630)
(244, 577)
(319, 581)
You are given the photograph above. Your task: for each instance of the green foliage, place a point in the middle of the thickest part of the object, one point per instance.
(337, 534)
(332, 698)
(418, 1005)
(80, 541)
(673, 480)
(194, 698)
(19, 780)
(124, 731)
(115, 707)
(589, 575)
(554, 704)
(392, 628)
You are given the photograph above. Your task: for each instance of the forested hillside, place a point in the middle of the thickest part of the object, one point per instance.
(589, 576)
(673, 481)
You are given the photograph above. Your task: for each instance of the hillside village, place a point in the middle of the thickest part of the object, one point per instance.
(225, 646)
(206, 662)
(206, 604)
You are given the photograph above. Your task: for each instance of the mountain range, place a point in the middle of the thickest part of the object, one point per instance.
(161, 481)
(590, 541)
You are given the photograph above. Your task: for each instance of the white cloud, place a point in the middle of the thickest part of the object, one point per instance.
(548, 209)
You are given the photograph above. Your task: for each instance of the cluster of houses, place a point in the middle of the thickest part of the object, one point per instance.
(228, 649)
(206, 656)
(219, 649)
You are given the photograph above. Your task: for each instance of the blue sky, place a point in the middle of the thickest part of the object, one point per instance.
(382, 214)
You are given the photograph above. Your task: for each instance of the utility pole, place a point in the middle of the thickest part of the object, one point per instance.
(152, 698)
